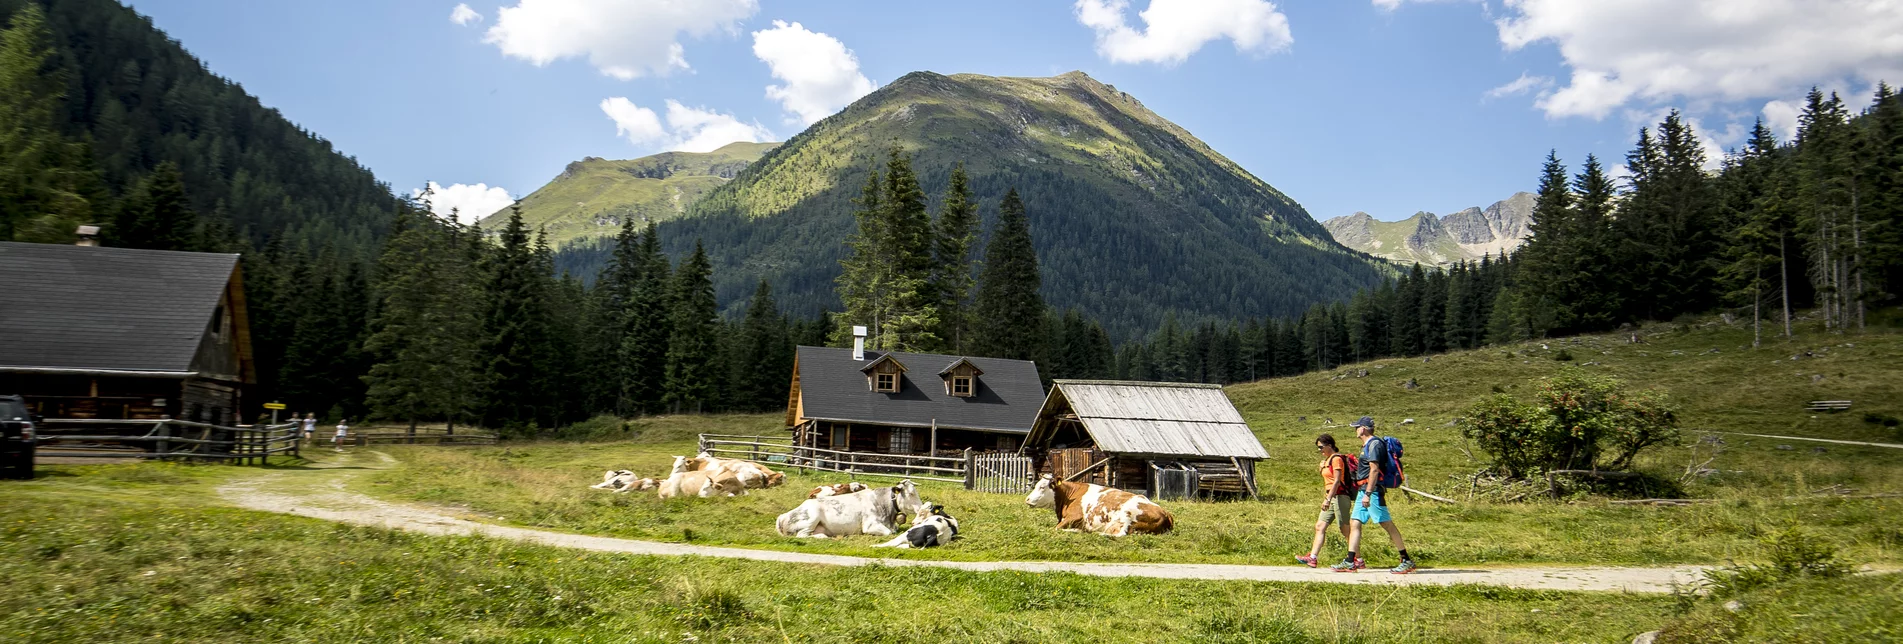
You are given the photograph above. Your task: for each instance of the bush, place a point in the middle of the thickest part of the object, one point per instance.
(1576, 421)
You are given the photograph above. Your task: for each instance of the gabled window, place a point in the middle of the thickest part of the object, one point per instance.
(961, 386)
(961, 378)
(885, 383)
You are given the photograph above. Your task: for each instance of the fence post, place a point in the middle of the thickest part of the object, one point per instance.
(971, 470)
(165, 446)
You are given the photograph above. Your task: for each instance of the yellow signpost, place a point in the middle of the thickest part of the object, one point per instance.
(275, 407)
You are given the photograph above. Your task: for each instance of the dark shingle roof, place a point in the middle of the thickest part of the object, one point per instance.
(833, 388)
(75, 307)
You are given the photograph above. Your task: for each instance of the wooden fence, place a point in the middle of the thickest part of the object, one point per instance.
(164, 439)
(990, 472)
(401, 435)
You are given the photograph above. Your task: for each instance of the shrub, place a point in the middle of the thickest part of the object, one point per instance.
(1576, 421)
(1563, 356)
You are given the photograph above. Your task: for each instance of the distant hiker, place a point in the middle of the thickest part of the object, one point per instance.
(337, 440)
(310, 427)
(1338, 485)
(1378, 471)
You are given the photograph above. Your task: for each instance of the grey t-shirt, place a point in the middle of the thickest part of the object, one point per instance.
(1373, 451)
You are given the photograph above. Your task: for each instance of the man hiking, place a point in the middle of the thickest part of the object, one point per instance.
(1369, 505)
(1337, 486)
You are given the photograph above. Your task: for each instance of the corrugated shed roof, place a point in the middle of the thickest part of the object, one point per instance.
(76, 307)
(832, 387)
(1175, 419)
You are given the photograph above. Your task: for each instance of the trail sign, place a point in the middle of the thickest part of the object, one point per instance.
(273, 405)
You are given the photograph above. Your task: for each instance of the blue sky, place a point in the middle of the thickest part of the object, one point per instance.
(1383, 106)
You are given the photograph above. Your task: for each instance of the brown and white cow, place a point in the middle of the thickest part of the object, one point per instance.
(1096, 508)
(753, 475)
(702, 483)
(835, 489)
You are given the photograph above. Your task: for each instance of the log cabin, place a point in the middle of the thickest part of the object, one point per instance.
(94, 332)
(890, 402)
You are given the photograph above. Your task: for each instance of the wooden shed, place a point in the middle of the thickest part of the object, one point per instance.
(122, 333)
(1170, 440)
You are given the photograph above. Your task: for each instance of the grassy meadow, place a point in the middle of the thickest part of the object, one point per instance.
(124, 552)
(1757, 486)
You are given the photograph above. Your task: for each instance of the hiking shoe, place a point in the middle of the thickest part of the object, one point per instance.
(1306, 560)
(1346, 566)
(1406, 567)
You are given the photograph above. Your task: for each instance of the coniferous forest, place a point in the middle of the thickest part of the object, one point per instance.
(365, 304)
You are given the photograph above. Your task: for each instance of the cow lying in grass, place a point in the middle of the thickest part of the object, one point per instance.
(835, 489)
(1095, 508)
(877, 511)
(752, 475)
(624, 481)
(932, 527)
(683, 481)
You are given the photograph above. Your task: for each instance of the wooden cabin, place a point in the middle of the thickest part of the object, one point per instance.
(910, 403)
(91, 332)
(1168, 440)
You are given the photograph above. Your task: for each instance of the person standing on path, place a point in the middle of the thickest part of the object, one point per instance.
(337, 440)
(1337, 484)
(310, 427)
(1370, 506)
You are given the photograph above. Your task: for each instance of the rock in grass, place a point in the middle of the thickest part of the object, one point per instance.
(1647, 637)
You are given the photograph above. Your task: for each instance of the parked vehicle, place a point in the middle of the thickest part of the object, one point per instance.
(16, 438)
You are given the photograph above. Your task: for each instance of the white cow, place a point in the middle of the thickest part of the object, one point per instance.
(877, 511)
(835, 489)
(623, 481)
(682, 481)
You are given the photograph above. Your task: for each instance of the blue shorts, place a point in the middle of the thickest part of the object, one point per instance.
(1376, 512)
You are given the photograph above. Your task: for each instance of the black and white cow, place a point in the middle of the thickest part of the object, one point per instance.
(932, 527)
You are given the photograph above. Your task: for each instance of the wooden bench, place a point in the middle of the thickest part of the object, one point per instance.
(1828, 405)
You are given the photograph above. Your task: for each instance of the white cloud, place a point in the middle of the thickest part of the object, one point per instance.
(637, 123)
(1174, 29)
(625, 39)
(1390, 5)
(1655, 51)
(688, 129)
(463, 15)
(1521, 85)
(821, 74)
(1781, 117)
(469, 202)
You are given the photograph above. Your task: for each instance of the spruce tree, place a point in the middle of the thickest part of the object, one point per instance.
(158, 215)
(691, 348)
(421, 342)
(1010, 312)
(762, 361)
(515, 330)
(957, 232)
(47, 186)
(912, 322)
(648, 326)
(1405, 334)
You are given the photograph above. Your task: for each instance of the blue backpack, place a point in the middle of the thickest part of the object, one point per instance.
(1392, 476)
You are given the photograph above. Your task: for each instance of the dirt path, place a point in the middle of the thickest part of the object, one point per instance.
(321, 493)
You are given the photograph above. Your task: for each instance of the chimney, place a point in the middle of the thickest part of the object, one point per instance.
(859, 343)
(88, 236)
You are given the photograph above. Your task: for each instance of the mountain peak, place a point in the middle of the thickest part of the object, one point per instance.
(1427, 238)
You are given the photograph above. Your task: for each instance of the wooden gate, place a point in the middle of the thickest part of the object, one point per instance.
(1003, 472)
(1174, 481)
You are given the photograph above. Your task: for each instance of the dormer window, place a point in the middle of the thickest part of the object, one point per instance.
(883, 374)
(961, 378)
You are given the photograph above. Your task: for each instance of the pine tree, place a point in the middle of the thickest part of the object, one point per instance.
(763, 358)
(912, 322)
(1405, 333)
(864, 276)
(515, 330)
(47, 186)
(648, 326)
(423, 356)
(957, 232)
(1009, 309)
(691, 347)
(158, 215)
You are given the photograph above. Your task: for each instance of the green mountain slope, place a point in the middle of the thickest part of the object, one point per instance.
(592, 196)
(1133, 216)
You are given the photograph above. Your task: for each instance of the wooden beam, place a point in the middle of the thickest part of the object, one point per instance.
(1087, 470)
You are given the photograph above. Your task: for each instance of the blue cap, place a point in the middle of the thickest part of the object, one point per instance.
(1364, 422)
